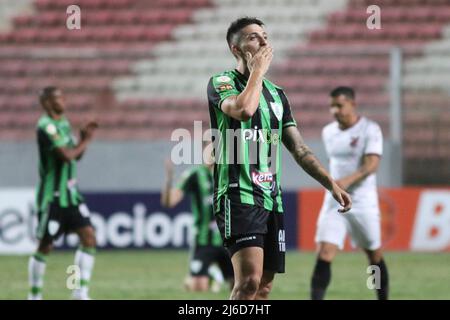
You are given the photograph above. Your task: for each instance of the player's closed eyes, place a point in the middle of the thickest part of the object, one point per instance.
(254, 37)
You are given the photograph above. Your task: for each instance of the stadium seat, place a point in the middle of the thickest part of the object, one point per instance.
(147, 62)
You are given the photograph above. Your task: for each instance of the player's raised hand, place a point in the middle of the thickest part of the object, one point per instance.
(92, 124)
(260, 62)
(342, 197)
(87, 131)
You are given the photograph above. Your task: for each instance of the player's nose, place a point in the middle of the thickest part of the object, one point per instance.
(263, 42)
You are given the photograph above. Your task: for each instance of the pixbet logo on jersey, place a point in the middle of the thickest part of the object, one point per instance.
(261, 135)
(263, 180)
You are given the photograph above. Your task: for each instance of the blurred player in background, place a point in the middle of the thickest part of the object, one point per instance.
(354, 145)
(247, 194)
(209, 259)
(61, 208)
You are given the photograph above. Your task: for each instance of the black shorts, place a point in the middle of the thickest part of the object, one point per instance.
(204, 256)
(56, 221)
(243, 226)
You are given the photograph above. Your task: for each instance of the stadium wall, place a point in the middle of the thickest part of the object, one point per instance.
(138, 166)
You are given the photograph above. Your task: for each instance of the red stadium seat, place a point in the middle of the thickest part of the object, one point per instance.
(134, 26)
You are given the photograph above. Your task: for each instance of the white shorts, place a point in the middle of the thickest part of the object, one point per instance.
(363, 225)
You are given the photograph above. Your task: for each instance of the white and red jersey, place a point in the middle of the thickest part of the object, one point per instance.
(345, 150)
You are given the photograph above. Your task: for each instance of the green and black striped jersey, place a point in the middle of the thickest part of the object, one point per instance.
(248, 155)
(198, 184)
(57, 178)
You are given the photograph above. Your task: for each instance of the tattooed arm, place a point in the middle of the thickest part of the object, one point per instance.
(303, 155)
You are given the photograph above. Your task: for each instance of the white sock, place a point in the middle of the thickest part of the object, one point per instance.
(85, 261)
(215, 273)
(36, 272)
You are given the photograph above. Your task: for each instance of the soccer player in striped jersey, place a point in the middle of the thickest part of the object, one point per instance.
(208, 259)
(250, 117)
(61, 208)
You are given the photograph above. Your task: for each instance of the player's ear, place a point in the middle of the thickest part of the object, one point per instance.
(236, 51)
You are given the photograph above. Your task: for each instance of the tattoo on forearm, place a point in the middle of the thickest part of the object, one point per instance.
(313, 167)
(302, 152)
(307, 160)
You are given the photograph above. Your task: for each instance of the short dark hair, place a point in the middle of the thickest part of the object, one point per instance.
(346, 91)
(240, 24)
(46, 93)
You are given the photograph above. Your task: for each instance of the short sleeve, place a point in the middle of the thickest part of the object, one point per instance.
(288, 120)
(374, 140)
(186, 181)
(49, 134)
(221, 87)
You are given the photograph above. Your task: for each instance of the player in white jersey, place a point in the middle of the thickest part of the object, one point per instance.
(354, 145)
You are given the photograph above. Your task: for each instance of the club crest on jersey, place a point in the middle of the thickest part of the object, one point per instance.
(354, 142)
(277, 110)
(264, 180)
(52, 131)
(223, 79)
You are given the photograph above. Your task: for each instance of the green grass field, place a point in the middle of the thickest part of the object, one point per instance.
(159, 275)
